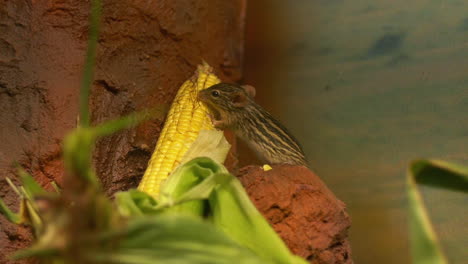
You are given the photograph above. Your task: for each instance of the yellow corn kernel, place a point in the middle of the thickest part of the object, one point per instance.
(186, 117)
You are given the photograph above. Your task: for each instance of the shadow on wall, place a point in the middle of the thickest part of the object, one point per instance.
(266, 47)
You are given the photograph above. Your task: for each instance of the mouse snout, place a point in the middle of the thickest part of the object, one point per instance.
(202, 96)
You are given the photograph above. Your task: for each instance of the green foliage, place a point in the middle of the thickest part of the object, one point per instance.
(229, 208)
(87, 79)
(9, 214)
(136, 203)
(144, 230)
(425, 246)
(174, 239)
(235, 214)
(31, 187)
(440, 174)
(28, 192)
(189, 184)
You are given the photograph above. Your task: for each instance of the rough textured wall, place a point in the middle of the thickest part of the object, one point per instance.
(303, 211)
(146, 50)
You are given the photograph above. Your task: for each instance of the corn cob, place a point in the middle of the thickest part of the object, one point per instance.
(186, 117)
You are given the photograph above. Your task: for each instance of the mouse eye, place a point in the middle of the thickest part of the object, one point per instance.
(215, 93)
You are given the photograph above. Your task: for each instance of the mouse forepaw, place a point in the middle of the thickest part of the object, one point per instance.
(219, 124)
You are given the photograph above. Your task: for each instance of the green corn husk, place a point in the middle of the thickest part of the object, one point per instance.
(229, 208)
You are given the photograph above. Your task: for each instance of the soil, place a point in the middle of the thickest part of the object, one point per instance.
(305, 213)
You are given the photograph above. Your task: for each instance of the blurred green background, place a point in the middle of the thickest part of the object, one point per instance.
(367, 86)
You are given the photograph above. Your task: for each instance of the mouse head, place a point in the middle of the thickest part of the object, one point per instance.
(226, 97)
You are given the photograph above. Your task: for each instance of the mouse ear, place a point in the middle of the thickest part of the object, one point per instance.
(239, 100)
(249, 89)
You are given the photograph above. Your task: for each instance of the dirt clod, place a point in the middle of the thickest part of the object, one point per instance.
(305, 213)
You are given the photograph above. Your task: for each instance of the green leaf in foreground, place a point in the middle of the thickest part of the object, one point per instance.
(88, 70)
(234, 213)
(190, 184)
(135, 203)
(173, 239)
(30, 185)
(440, 174)
(425, 246)
(10, 215)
